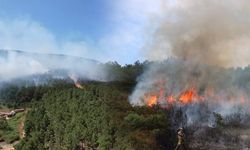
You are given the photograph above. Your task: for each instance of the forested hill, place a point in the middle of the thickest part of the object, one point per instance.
(60, 116)
(38, 67)
(96, 117)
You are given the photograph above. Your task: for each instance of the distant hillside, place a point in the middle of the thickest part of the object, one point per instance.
(20, 64)
(5, 53)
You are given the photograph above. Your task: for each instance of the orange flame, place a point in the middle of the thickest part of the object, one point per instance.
(188, 96)
(78, 85)
(151, 100)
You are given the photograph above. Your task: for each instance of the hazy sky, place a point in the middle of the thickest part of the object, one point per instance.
(106, 30)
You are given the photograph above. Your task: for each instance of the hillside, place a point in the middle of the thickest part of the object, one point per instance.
(20, 64)
(98, 117)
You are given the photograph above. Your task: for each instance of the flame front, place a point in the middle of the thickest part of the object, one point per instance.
(189, 96)
(151, 100)
(186, 97)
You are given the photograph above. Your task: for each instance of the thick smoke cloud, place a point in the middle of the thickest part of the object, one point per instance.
(212, 32)
(219, 89)
(204, 38)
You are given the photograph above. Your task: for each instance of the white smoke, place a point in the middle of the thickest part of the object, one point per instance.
(31, 36)
(17, 64)
(220, 90)
(13, 66)
(212, 32)
(203, 38)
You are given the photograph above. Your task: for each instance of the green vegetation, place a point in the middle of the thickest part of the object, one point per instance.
(62, 117)
(219, 120)
(3, 124)
(127, 73)
(2, 106)
(99, 117)
(9, 128)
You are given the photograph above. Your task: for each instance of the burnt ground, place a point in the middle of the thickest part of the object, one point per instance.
(206, 138)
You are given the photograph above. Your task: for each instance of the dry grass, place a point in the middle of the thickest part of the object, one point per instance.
(220, 139)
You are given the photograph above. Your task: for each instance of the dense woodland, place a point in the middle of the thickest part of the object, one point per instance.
(99, 116)
(61, 116)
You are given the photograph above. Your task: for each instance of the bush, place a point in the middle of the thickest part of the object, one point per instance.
(3, 124)
(218, 120)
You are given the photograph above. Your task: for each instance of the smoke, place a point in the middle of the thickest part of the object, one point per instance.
(215, 89)
(211, 32)
(38, 42)
(14, 66)
(202, 40)
(18, 64)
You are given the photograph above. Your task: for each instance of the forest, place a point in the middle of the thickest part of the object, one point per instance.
(60, 116)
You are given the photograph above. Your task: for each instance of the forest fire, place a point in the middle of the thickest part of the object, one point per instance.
(186, 97)
(78, 85)
(190, 96)
(171, 100)
(151, 100)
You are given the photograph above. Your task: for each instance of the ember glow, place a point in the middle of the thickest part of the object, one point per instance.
(171, 100)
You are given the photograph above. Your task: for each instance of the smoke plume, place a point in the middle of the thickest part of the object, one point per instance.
(212, 32)
(203, 40)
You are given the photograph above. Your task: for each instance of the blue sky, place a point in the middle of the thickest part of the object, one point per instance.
(89, 18)
(106, 30)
